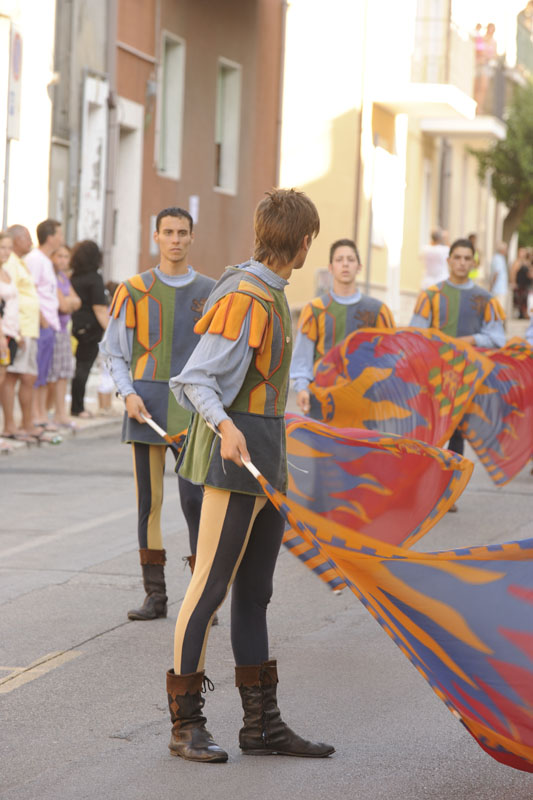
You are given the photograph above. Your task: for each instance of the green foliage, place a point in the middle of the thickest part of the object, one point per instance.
(525, 229)
(511, 160)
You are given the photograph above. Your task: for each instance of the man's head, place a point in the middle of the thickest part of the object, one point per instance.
(436, 237)
(460, 260)
(21, 239)
(472, 238)
(502, 248)
(344, 262)
(285, 224)
(174, 235)
(50, 234)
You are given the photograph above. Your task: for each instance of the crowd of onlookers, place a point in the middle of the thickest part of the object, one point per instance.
(53, 312)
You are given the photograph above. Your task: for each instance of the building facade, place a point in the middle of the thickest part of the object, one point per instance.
(162, 103)
(380, 134)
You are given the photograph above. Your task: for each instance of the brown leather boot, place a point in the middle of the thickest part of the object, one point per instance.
(155, 602)
(190, 739)
(264, 732)
(191, 561)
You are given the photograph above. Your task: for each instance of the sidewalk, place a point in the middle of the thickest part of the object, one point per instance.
(93, 426)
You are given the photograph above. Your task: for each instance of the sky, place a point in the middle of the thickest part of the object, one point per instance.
(501, 12)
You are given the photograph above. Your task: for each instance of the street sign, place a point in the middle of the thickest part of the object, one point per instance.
(15, 83)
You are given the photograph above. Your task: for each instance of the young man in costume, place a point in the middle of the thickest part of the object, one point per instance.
(237, 382)
(149, 338)
(330, 318)
(460, 308)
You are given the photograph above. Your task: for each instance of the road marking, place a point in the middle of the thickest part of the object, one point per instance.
(69, 530)
(23, 675)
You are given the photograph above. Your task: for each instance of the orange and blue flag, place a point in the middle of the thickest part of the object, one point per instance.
(412, 382)
(386, 487)
(464, 618)
(499, 421)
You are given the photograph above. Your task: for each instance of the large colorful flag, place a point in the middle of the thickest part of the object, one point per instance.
(464, 618)
(412, 382)
(499, 422)
(386, 487)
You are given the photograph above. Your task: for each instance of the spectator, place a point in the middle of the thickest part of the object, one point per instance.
(62, 368)
(435, 258)
(499, 275)
(50, 237)
(24, 366)
(106, 386)
(475, 271)
(89, 321)
(9, 317)
(523, 282)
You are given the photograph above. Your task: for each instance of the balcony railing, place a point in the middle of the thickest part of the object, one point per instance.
(443, 53)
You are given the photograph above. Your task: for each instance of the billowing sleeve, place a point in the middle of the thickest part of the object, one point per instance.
(492, 333)
(117, 343)
(423, 313)
(384, 318)
(307, 324)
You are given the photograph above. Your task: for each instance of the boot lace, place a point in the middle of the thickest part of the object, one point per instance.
(207, 684)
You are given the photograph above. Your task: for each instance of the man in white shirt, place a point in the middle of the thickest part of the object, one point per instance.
(50, 237)
(435, 257)
(499, 275)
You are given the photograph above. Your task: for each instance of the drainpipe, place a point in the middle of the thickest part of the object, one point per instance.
(112, 139)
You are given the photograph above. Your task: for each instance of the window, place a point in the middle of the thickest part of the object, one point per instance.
(171, 106)
(227, 126)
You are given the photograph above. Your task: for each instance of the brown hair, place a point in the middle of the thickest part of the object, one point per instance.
(46, 229)
(281, 221)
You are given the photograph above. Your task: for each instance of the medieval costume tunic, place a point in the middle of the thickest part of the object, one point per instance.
(249, 315)
(157, 313)
(326, 321)
(461, 310)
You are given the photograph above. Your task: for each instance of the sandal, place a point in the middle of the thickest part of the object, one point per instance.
(47, 426)
(28, 438)
(50, 438)
(5, 448)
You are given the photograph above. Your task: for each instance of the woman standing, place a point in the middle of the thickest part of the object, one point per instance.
(89, 321)
(62, 368)
(9, 317)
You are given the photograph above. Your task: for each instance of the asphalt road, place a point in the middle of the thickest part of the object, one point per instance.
(83, 709)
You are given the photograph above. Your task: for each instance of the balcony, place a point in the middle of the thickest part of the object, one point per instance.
(441, 74)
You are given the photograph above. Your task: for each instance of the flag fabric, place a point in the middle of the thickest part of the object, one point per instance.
(463, 617)
(499, 421)
(412, 382)
(386, 487)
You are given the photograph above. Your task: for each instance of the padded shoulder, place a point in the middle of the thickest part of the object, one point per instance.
(226, 318)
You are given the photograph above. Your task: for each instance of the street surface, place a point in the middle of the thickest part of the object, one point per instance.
(83, 709)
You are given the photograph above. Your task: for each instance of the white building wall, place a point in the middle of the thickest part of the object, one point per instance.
(30, 155)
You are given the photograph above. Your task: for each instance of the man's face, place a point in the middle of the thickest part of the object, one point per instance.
(460, 263)
(174, 238)
(56, 240)
(344, 265)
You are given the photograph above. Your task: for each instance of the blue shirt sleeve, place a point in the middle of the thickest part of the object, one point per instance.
(116, 348)
(492, 334)
(302, 362)
(418, 321)
(212, 377)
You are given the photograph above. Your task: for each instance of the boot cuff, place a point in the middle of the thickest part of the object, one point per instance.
(152, 557)
(248, 675)
(270, 668)
(184, 684)
(191, 561)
